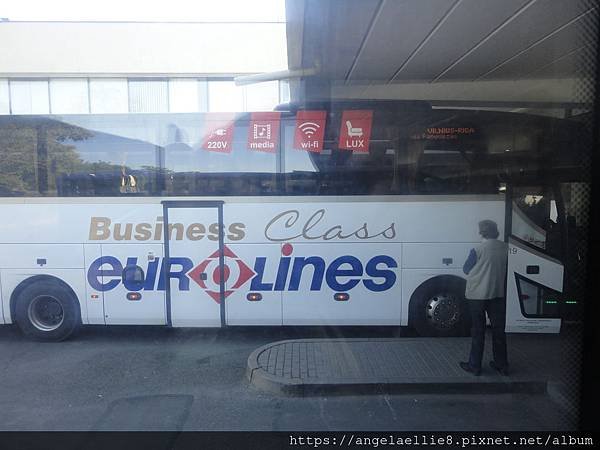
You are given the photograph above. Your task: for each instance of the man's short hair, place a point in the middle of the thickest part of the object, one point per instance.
(488, 229)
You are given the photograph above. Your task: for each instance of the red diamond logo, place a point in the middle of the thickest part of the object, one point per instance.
(207, 274)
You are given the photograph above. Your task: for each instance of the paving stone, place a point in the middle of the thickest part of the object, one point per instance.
(303, 366)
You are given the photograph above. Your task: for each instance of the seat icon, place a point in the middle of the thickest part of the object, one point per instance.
(353, 132)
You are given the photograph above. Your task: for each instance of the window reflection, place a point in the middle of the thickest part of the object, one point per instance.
(412, 150)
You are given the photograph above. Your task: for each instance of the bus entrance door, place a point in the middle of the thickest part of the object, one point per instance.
(194, 268)
(534, 281)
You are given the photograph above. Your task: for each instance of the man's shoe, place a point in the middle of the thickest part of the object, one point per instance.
(467, 368)
(501, 370)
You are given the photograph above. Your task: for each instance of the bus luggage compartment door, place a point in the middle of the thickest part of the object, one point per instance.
(194, 249)
(132, 301)
(253, 291)
(533, 291)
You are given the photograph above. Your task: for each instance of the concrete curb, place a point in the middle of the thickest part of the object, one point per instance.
(485, 384)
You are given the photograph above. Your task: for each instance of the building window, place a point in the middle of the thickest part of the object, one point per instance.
(185, 95)
(148, 96)
(284, 91)
(109, 95)
(29, 97)
(225, 96)
(262, 96)
(69, 96)
(4, 97)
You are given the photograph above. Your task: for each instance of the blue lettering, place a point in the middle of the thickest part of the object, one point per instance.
(282, 273)
(388, 275)
(184, 282)
(257, 283)
(151, 275)
(318, 270)
(95, 273)
(334, 271)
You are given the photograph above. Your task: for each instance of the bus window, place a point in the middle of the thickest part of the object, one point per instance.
(537, 300)
(531, 215)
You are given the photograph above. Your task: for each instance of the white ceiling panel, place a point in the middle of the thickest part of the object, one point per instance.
(555, 46)
(465, 27)
(400, 27)
(343, 33)
(359, 42)
(571, 64)
(525, 29)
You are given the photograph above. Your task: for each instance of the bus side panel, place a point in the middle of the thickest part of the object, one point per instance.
(94, 299)
(369, 273)
(75, 278)
(41, 256)
(2, 315)
(435, 256)
(266, 311)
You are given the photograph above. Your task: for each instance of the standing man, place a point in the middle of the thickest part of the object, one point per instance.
(486, 274)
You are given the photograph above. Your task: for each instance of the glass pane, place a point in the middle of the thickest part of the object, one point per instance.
(69, 96)
(193, 170)
(385, 168)
(225, 96)
(29, 97)
(147, 96)
(129, 154)
(4, 97)
(262, 96)
(183, 95)
(284, 91)
(537, 300)
(108, 95)
(202, 95)
(533, 209)
(18, 156)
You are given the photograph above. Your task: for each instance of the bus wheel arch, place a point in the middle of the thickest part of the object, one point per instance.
(438, 307)
(45, 308)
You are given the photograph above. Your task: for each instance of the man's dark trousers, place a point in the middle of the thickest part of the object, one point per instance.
(496, 310)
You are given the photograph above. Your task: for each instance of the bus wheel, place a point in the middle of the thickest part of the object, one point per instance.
(438, 308)
(46, 311)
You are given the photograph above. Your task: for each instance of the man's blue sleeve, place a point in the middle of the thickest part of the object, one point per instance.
(470, 262)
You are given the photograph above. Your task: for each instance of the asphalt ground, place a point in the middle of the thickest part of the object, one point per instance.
(154, 378)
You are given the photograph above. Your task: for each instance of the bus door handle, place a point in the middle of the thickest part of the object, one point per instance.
(533, 270)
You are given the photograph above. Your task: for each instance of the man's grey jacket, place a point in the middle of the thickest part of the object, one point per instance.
(486, 270)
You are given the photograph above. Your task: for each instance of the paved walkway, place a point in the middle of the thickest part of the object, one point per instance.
(403, 365)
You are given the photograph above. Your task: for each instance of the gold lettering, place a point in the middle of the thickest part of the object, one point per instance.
(158, 230)
(236, 231)
(143, 232)
(99, 228)
(123, 236)
(195, 232)
(214, 232)
(179, 229)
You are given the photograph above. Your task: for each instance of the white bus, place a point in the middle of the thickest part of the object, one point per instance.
(116, 219)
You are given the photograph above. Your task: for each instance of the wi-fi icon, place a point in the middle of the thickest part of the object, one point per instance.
(309, 128)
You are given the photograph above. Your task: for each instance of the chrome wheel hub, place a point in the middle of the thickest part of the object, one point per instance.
(442, 311)
(45, 313)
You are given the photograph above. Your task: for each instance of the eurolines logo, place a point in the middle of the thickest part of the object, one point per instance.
(340, 275)
(235, 265)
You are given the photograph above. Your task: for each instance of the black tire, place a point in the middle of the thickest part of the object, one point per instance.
(47, 311)
(438, 308)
